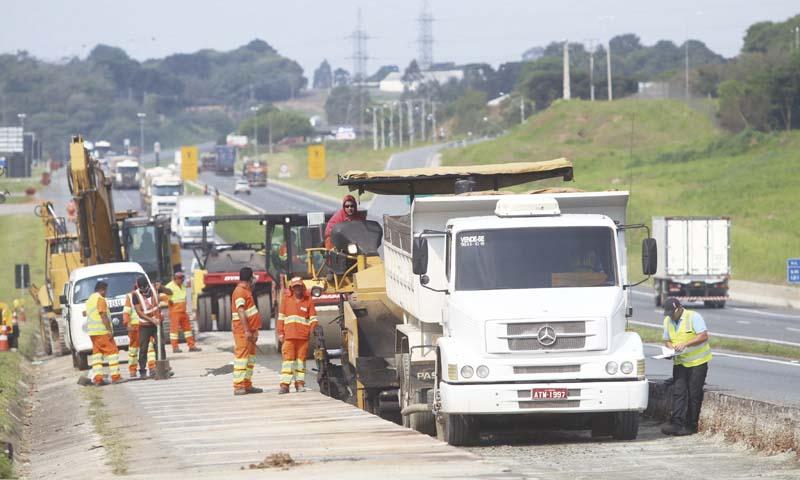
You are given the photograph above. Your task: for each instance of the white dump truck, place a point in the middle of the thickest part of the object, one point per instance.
(696, 260)
(502, 306)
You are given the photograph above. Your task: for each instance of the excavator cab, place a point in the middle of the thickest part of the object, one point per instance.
(147, 242)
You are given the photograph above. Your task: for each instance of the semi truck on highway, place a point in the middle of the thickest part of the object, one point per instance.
(226, 159)
(187, 218)
(490, 306)
(125, 172)
(256, 173)
(696, 263)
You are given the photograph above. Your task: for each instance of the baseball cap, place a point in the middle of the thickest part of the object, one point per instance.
(296, 282)
(179, 273)
(670, 305)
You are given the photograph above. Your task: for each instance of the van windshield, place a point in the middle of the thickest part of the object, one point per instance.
(118, 284)
(167, 190)
(535, 258)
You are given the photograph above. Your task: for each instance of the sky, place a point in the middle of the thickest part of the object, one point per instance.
(312, 30)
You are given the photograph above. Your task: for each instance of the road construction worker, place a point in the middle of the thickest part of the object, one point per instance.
(685, 332)
(145, 302)
(246, 321)
(101, 333)
(131, 320)
(296, 320)
(348, 213)
(178, 318)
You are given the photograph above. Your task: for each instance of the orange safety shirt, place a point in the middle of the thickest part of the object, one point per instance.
(297, 318)
(243, 297)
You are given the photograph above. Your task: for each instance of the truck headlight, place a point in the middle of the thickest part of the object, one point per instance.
(352, 249)
(626, 368)
(611, 368)
(482, 371)
(316, 291)
(467, 371)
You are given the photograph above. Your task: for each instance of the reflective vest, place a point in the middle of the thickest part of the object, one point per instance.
(95, 325)
(149, 306)
(691, 356)
(178, 292)
(297, 319)
(129, 313)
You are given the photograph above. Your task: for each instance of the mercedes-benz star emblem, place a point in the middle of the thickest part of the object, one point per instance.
(546, 335)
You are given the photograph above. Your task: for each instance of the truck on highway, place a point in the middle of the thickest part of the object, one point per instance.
(164, 193)
(489, 306)
(208, 162)
(225, 159)
(696, 259)
(187, 218)
(125, 172)
(255, 172)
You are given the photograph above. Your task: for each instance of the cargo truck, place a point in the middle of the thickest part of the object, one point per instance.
(492, 307)
(696, 261)
(225, 159)
(125, 173)
(190, 211)
(256, 173)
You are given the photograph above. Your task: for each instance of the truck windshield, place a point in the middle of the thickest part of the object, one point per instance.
(118, 284)
(167, 190)
(128, 170)
(142, 248)
(535, 258)
(192, 222)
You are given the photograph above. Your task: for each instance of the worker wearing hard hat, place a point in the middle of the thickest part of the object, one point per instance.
(178, 318)
(246, 322)
(103, 346)
(686, 333)
(296, 320)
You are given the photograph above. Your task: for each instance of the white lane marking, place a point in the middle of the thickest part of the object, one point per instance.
(793, 329)
(743, 322)
(724, 335)
(768, 314)
(791, 363)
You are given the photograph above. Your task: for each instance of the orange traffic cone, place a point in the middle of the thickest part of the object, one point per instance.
(3, 338)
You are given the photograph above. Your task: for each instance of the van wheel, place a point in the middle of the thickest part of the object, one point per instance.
(224, 313)
(457, 430)
(626, 426)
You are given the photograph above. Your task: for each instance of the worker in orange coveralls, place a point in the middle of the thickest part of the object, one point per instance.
(246, 321)
(178, 318)
(296, 320)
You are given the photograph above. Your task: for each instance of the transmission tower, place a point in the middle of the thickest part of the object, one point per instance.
(425, 38)
(360, 57)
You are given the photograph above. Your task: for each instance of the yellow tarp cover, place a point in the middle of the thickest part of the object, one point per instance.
(441, 180)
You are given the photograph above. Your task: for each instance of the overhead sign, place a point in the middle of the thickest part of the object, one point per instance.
(189, 163)
(316, 162)
(11, 140)
(793, 271)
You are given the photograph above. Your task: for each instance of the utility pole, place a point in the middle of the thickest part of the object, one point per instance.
(797, 37)
(254, 109)
(521, 109)
(400, 123)
(433, 119)
(141, 133)
(374, 130)
(686, 60)
(566, 89)
(391, 125)
(383, 129)
(591, 69)
(608, 71)
(410, 105)
(269, 132)
(425, 36)
(423, 120)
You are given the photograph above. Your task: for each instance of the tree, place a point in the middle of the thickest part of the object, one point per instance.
(323, 77)
(343, 104)
(469, 112)
(412, 73)
(341, 77)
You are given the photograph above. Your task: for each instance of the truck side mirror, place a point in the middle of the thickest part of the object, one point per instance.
(649, 256)
(62, 299)
(419, 256)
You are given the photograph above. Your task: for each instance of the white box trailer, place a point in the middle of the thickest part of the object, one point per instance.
(695, 264)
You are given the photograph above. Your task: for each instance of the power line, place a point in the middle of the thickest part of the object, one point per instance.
(359, 38)
(425, 36)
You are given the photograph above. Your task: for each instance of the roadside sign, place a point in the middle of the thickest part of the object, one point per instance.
(283, 171)
(157, 147)
(793, 271)
(22, 276)
(189, 163)
(316, 162)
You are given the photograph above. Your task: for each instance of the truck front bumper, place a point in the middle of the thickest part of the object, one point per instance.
(516, 398)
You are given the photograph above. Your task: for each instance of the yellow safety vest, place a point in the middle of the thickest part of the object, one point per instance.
(130, 310)
(95, 325)
(178, 292)
(691, 356)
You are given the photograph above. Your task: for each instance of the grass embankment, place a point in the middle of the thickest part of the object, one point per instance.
(249, 232)
(675, 162)
(654, 335)
(113, 439)
(10, 393)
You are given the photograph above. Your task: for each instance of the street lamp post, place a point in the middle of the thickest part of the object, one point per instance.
(391, 125)
(141, 116)
(254, 109)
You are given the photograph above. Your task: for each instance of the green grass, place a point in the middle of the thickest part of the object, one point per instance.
(680, 165)
(113, 439)
(18, 185)
(654, 335)
(10, 393)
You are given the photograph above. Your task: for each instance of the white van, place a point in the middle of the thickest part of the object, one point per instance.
(187, 219)
(120, 277)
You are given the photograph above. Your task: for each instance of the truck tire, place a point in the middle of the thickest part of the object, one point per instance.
(80, 360)
(420, 422)
(721, 304)
(457, 430)
(626, 426)
(264, 305)
(423, 422)
(204, 312)
(224, 313)
(57, 343)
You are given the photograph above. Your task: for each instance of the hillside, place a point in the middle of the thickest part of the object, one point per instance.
(681, 165)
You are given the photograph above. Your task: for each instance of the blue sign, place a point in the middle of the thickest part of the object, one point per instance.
(793, 270)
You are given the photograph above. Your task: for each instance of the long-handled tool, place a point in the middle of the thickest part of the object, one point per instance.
(162, 364)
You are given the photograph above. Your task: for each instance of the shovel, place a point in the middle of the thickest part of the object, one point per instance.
(162, 364)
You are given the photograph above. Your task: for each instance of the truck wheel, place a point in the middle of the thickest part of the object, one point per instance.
(423, 422)
(80, 360)
(721, 304)
(224, 313)
(602, 425)
(626, 426)
(204, 310)
(57, 344)
(264, 305)
(457, 430)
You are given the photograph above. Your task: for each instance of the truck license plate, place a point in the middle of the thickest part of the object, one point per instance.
(549, 393)
(122, 340)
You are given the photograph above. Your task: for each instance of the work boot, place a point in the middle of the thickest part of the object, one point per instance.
(300, 387)
(134, 374)
(100, 383)
(152, 373)
(239, 391)
(254, 390)
(117, 380)
(195, 349)
(673, 429)
(284, 389)
(682, 432)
